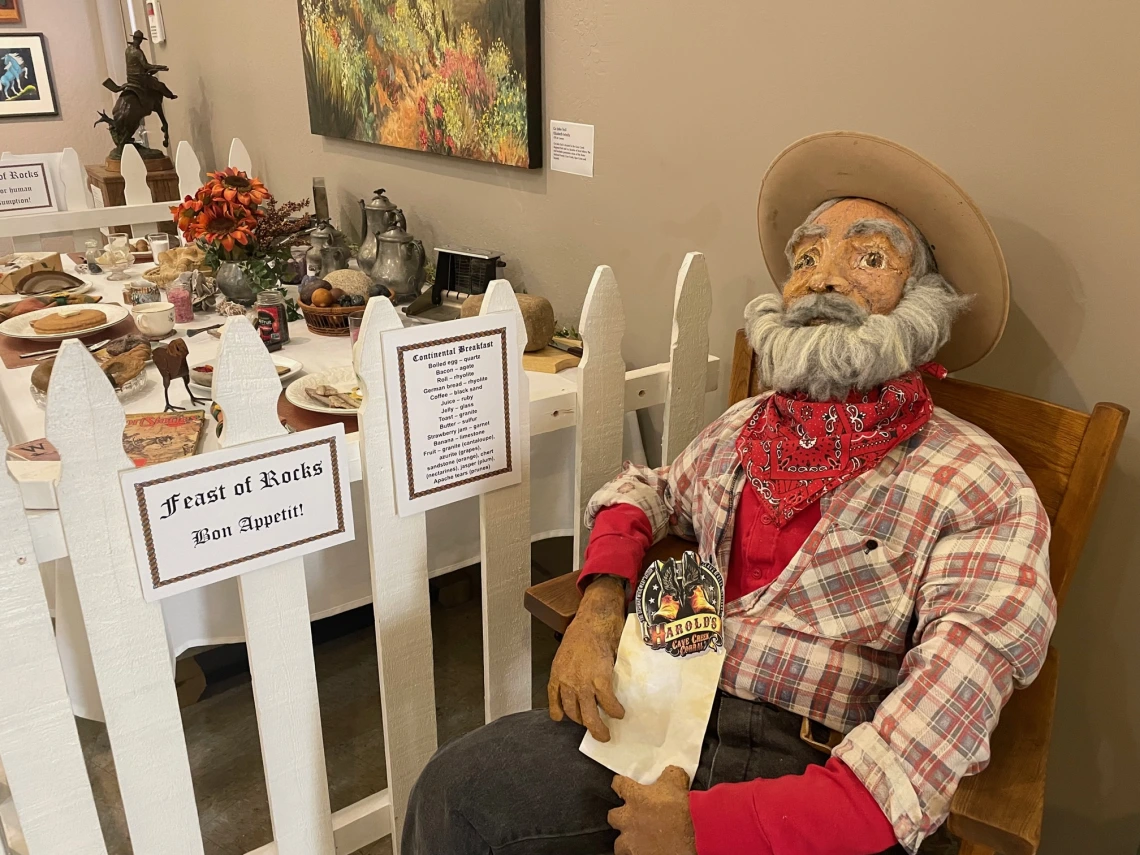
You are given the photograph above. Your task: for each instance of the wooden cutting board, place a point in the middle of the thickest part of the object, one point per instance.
(549, 360)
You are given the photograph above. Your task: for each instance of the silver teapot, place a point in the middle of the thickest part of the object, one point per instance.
(325, 255)
(377, 216)
(399, 264)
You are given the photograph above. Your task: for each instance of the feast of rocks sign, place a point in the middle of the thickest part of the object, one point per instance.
(202, 519)
(25, 187)
(453, 409)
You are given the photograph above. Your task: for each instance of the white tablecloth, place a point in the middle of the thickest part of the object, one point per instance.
(338, 578)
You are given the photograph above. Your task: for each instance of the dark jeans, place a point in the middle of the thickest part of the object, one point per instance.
(520, 786)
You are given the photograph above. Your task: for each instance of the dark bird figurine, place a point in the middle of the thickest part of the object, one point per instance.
(171, 363)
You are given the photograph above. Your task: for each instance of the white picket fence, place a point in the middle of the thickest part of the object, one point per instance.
(79, 216)
(54, 811)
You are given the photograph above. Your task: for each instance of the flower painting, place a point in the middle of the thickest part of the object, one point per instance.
(452, 77)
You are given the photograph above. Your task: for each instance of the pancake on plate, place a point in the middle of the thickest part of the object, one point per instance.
(68, 321)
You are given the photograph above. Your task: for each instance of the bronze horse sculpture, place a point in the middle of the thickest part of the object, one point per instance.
(141, 95)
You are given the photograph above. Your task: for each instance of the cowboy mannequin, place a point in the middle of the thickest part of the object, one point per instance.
(885, 563)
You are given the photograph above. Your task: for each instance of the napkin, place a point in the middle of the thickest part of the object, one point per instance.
(667, 702)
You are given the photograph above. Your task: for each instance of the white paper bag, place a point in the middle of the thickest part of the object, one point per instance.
(667, 702)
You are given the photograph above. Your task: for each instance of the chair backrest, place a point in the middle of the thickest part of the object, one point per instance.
(1066, 453)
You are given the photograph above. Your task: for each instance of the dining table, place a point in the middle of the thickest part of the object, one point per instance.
(338, 578)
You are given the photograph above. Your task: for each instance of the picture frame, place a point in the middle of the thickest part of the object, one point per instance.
(461, 80)
(10, 12)
(26, 85)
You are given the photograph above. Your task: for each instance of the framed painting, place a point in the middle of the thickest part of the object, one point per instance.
(10, 12)
(26, 87)
(460, 78)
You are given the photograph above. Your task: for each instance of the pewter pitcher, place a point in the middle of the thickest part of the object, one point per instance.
(377, 216)
(399, 263)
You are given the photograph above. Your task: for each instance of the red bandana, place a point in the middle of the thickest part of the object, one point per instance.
(794, 450)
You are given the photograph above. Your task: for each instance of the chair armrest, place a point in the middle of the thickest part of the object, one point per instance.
(1002, 807)
(555, 601)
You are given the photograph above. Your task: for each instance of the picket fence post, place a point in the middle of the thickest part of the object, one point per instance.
(504, 535)
(239, 158)
(189, 170)
(688, 358)
(401, 605)
(39, 745)
(76, 193)
(600, 421)
(126, 634)
(275, 610)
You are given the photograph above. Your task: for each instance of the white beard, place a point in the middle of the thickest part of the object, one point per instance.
(855, 350)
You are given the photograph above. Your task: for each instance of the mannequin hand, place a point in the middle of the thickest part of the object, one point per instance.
(655, 820)
(581, 677)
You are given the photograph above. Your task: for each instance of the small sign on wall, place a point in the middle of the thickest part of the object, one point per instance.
(572, 148)
(453, 409)
(202, 519)
(25, 188)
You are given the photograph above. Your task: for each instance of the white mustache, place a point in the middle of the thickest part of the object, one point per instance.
(824, 307)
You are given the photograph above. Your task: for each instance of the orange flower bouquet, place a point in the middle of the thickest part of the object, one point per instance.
(245, 234)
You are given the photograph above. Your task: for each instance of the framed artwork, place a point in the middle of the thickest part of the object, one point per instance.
(460, 78)
(26, 87)
(10, 12)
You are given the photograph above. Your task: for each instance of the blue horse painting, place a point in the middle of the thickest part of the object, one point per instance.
(16, 81)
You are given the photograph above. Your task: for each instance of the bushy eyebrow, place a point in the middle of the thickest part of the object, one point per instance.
(894, 234)
(806, 230)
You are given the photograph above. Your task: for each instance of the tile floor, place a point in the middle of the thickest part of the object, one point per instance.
(221, 732)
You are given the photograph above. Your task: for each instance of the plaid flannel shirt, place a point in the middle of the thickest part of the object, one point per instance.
(912, 611)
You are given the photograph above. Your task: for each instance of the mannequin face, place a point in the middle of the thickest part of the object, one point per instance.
(852, 250)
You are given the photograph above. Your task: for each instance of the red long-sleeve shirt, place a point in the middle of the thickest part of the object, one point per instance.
(825, 811)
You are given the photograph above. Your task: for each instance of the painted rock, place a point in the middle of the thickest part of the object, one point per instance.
(537, 313)
(349, 281)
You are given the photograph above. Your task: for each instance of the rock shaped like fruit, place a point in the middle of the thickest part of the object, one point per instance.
(310, 284)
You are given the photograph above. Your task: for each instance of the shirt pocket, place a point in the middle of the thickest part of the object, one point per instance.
(856, 587)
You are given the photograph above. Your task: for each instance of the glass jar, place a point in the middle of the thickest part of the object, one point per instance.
(179, 293)
(272, 318)
(142, 291)
(91, 256)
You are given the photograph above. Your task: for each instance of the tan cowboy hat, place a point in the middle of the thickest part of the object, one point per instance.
(845, 163)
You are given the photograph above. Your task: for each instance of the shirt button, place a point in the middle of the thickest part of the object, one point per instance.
(766, 519)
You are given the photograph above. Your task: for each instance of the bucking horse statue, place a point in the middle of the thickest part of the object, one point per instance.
(140, 96)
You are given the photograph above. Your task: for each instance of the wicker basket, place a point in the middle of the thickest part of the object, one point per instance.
(330, 321)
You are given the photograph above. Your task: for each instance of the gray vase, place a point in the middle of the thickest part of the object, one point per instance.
(235, 284)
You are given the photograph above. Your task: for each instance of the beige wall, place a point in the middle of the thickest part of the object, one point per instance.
(71, 28)
(1032, 107)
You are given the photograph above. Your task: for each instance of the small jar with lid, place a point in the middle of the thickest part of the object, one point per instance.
(91, 256)
(272, 318)
(180, 294)
(142, 291)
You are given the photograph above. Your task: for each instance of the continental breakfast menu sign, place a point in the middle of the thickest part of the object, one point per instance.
(453, 409)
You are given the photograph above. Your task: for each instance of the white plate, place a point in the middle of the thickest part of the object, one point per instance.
(284, 361)
(15, 298)
(343, 379)
(21, 325)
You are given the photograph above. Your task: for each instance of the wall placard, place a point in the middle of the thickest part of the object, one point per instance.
(453, 409)
(202, 519)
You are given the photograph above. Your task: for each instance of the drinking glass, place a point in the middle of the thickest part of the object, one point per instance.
(159, 242)
(119, 256)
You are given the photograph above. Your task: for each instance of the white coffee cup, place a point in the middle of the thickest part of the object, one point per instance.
(154, 319)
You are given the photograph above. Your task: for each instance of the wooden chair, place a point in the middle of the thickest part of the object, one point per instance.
(1068, 455)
